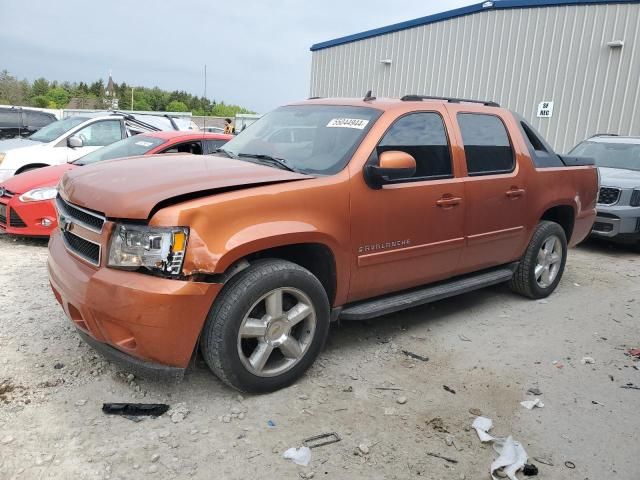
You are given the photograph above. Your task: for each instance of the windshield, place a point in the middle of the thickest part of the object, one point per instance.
(315, 139)
(129, 147)
(611, 155)
(54, 130)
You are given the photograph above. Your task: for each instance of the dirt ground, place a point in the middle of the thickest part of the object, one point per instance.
(489, 347)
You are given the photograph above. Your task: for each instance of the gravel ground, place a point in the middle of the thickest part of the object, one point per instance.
(489, 347)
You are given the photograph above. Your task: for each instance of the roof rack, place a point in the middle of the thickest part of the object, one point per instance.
(419, 98)
(604, 135)
(129, 117)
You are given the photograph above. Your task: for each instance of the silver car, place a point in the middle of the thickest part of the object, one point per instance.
(618, 161)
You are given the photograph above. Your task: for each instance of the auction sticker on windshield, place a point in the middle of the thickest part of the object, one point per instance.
(348, 123)
(144, 144)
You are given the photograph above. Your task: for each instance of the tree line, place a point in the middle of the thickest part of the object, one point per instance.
(52, 94)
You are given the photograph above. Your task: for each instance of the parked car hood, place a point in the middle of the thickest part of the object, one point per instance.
(40, 177)
(619, 177)
(131, 187)
(15, 143)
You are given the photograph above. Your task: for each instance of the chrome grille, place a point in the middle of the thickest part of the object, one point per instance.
(608, 196)
(635, 198)
(82, 247)
(88, 219)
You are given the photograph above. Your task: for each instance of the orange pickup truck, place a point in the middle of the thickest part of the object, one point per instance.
(322, 210)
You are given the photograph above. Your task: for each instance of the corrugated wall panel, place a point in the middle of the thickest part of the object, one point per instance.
(518, 57)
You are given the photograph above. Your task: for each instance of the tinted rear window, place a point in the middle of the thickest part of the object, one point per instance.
(38, 119)
(486, 144)
(10, 119)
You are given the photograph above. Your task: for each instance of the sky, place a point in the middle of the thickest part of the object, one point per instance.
(256, 52)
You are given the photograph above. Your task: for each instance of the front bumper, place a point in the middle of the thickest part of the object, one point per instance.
(149, 321)
(617, 222)
(36, 219)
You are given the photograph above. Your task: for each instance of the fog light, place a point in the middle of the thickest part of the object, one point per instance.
(46, 222)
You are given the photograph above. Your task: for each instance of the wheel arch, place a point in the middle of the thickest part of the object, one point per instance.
(31, 166)
(564, 215)
(318, 253)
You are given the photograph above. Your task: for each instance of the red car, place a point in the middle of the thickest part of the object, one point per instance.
(27, 200)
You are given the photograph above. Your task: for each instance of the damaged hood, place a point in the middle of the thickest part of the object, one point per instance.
(132, 187)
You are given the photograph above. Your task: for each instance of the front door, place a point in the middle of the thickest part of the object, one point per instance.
(94, 136)
(495, 190)
(408, 232)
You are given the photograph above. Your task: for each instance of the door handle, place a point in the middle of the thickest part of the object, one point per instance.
(515, 192)
(449, 201)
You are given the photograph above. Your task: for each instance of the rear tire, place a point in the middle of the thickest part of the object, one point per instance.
(542, 265)
(266, 327)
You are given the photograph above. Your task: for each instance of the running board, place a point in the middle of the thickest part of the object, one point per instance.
(400, 301)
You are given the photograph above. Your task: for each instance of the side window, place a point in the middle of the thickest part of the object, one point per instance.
(10, 119)
(37, 119)
(486, 144)
(187, 147)
(535, 142)
(101, 133)
(213, 145)
(423, 136)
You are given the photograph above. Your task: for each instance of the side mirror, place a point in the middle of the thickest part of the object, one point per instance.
(74, 142)
(393, 165)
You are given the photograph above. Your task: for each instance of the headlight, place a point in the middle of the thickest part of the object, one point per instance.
(160, 250)
(39, 194)
(2, 155)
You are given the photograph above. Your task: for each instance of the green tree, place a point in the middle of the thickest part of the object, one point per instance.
(58, 97)
(40, 87)
(40, 101)
(12, 91)
(176, 106)
(97, 88)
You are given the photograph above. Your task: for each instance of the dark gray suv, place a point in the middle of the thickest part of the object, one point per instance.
(22, 122)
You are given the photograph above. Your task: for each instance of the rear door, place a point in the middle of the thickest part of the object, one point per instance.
(411, 231)
(495, 189)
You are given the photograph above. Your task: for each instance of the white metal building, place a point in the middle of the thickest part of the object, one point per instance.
(571, 67)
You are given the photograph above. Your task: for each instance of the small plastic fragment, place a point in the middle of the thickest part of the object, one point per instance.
(531, 404)
(299, 456)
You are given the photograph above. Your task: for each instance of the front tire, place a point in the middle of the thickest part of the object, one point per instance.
(266, 327)
(542, 265)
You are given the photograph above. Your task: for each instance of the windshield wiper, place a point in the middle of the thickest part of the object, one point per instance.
(280, 162)
(228, 153)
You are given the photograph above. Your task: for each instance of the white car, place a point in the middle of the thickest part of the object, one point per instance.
(73, 137)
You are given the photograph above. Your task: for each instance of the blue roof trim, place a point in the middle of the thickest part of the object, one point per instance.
(458, 12)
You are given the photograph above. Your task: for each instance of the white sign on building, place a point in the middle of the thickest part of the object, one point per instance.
(545, 109)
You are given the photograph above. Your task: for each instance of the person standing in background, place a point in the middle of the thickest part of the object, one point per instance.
(228, 127)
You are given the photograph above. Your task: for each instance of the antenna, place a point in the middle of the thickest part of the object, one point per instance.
(368, 97)
(204, 124)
